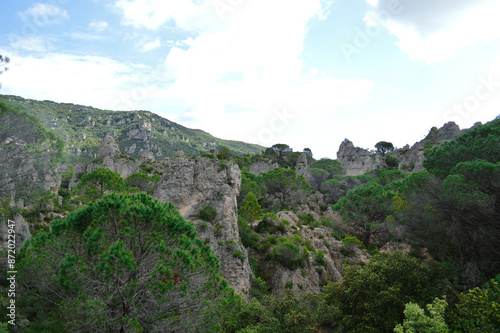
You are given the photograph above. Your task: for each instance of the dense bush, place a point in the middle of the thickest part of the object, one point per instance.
(288, 254)
(372, 298)
(207, 213)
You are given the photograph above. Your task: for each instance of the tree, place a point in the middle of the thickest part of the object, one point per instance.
(456, 218)
(384, 147)
(372, 297)
(417, 321)
(143, 181)
(365, 209)
(251, 210)
(333, 167)
(477, 310)
(3, 61)
(99, 182)
(282, 183)
(123, 263)
(318, 177)
(480, 142)
(281, 151)
(250, 183)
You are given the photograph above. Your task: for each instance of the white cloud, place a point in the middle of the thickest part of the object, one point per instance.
(42, 14)
(85, 36)
(151, 14)
(34, 43)
(242, 66)
(434, 31)
(99, 81)
(98, 26)
(151, 45)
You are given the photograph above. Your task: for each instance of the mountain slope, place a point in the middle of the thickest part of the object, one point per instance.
(83, 127)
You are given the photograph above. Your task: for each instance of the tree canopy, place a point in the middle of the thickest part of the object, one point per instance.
(123, 263)
(384, 147)
(282, 183)
(371, 298)
(365, 209)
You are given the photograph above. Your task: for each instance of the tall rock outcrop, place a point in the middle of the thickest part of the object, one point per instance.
(111, 158)
(412, 159)
(357, 161)
(22, 232)
(192, 185)
(262, 166)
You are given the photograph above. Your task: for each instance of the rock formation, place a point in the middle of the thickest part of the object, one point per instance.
(22, 232)
(357, 161)
(192, 185)
(262, 166)
(412, 159)
(111, 159)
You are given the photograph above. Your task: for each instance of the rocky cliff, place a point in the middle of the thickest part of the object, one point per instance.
(192, 185)
(357, 161)
(412, 159)
(314, 274)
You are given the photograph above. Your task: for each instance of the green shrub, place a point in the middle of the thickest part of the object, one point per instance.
(391, 161)
(259, 288)
(239, 254)
(319, 258)
(64, 192)
(288, 254)
(289, 285)
(207, 213)
(247, 236)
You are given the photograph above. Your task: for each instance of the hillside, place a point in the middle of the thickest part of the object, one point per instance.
(273, 241)
(83, 127)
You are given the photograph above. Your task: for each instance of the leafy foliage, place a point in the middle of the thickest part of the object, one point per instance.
(371, 298)
(417, 321)
(384, 147)
(143, 182)
(288, 254)
(478, 310)
(365, 209)
(207, 213)
(287, 313)
(480, 142)
(283, 183)
(251, 209)
(97, 183)
(123, 263)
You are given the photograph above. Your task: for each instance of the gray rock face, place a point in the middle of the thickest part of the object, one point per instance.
(22, 232)
(108, 147)
(301, 166)
(109, 153)
(261, 166)
(123, 166)
(412, 159)
(312, 276)
(192, 184)
(23, 169)
(357, 161)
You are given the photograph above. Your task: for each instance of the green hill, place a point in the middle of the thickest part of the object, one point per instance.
(83, 127)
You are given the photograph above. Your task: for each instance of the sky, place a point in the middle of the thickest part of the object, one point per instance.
(307, 73)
